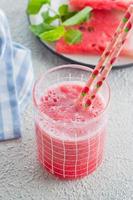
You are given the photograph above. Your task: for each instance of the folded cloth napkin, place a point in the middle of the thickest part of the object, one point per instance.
(16, 80)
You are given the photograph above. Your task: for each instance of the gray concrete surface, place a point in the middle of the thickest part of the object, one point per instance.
(21, 176)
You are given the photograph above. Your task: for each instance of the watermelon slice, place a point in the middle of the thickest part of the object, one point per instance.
(96, 35)
(101, 4)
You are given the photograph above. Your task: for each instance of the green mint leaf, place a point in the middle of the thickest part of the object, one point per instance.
(73, 36)
(63, 9)
(49, 19)
(65, 13)
(53, 35)
(78, 18)
(38, 29)
(45, 15)
(68, 15)
(35, 5)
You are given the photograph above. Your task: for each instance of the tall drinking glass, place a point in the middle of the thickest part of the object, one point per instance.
(66, 148)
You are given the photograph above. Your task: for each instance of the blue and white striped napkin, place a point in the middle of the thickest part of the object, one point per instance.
(16, 80)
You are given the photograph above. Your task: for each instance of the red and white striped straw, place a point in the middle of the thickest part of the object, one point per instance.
(108, 58)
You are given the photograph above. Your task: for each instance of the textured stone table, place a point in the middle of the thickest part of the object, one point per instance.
(21, 177)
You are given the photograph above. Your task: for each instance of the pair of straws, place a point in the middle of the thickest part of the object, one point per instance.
(109, 56)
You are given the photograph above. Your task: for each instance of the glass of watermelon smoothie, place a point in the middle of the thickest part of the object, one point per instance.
(70, 140)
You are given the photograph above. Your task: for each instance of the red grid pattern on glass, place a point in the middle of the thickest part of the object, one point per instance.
(70, 159)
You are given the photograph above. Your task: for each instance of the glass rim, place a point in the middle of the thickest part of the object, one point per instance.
(74, 66)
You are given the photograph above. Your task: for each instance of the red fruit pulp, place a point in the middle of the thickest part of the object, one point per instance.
(97, 33)
(100, 4)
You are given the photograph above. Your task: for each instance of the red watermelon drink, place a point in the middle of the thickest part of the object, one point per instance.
(70, 140)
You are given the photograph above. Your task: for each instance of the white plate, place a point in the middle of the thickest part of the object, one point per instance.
(90, 60)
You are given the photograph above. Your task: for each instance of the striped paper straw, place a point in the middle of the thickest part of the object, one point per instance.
(112, 56)
(106, 54)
